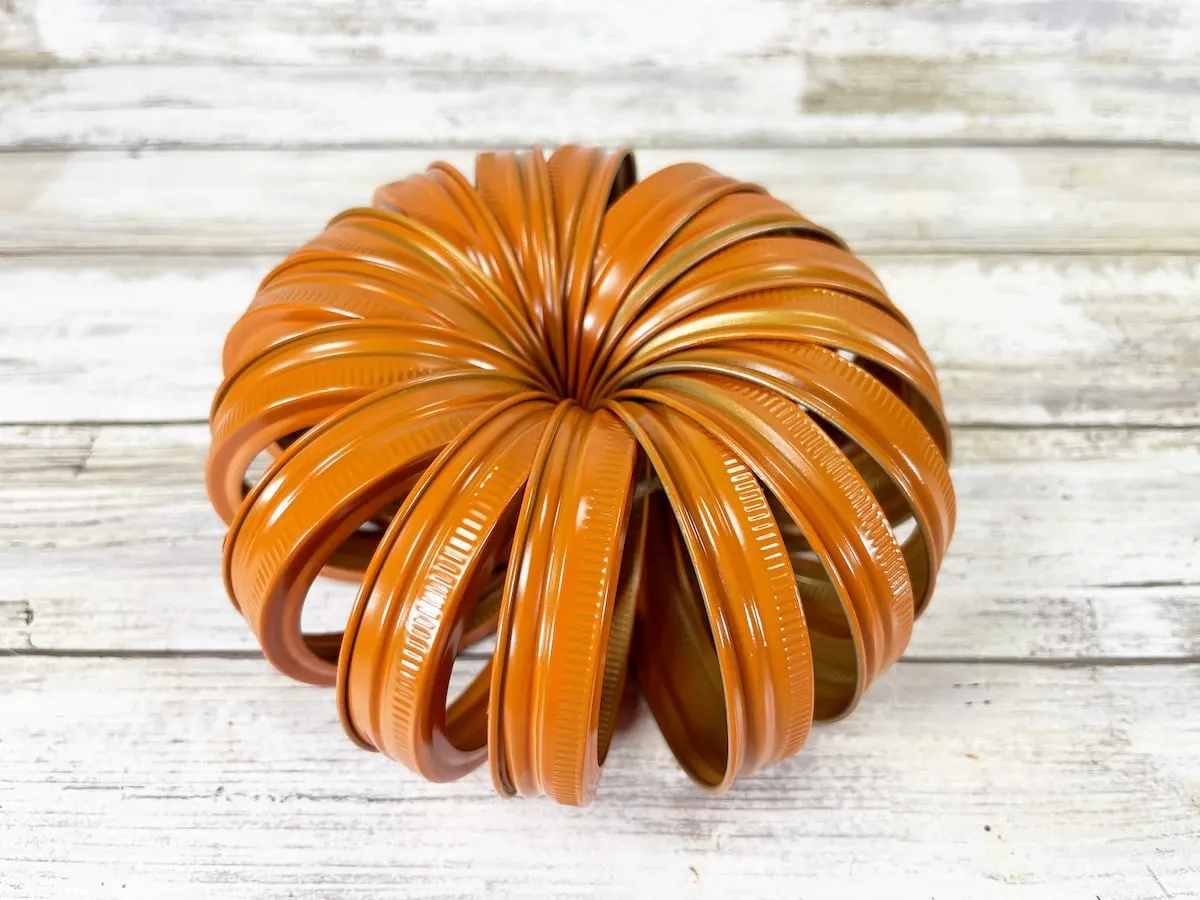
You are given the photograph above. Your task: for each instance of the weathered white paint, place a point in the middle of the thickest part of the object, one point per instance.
(786, 100)
(1070, 544)
(717, 72)
(511, 33)
(1055, 285)
(200, 778)
(882, 200)
(1025, 339)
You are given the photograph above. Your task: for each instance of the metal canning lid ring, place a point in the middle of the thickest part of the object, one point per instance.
(665, 429)
(482, 240)
(586, 183)
(728, 259)
(384, 343)
(525, 655)
(826, 318)
(629, 592)
(817, 315)
(634, 231)
(824, 495)
(414, 602)
(379, 445)
(597, 613)
(414, 259)
(516, 189)
(441, 199)
(303, 379)
(870, 415)
(874, 542)
(366, 287)
(583, 553)
(682, 661)
(686, 663)
(389, 233)
(289, 308)
(762, 264)
(726, 509)
(598, 572)
(516, 579)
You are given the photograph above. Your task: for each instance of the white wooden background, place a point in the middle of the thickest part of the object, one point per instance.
(1024, 175)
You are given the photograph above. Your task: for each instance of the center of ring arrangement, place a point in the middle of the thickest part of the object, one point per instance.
(666, 430)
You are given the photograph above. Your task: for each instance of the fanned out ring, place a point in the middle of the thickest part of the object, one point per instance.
(667, 430)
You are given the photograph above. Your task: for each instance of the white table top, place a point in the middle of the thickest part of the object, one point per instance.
(1023, 176)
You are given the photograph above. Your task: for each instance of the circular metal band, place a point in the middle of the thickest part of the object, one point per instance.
(749, 591)
(433, 564)
(330, 482)
(824, 495)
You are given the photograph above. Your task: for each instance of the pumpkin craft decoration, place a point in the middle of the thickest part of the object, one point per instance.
(667, 430)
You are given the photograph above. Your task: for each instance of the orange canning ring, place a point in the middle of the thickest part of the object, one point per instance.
(667, 431)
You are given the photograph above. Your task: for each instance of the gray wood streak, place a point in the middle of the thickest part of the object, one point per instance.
(915, 200)
(1023, 177)
(106, 73)
(535, 33)
(1070, 544)
(954, 781)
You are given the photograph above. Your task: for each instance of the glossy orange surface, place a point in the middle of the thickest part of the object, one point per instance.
(666, 430)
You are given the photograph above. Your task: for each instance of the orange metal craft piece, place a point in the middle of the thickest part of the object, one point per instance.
(666, 431)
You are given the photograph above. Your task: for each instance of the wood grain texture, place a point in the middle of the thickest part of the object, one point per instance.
(199, 778)
(1025, 340)
(1021, 173)
(509, 33)
(893, 200)
(765, 103)
(1070, 545)
(714, 73)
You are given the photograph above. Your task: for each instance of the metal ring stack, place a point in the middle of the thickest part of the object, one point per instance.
(668, 430)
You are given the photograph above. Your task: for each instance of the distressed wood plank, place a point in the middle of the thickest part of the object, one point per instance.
(551, 35)
(717, 73)
(183, 778)
(487, 35)
(779, 102)
(192, 776)
(1030, 340)
(1070, 544)
(895, 200)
